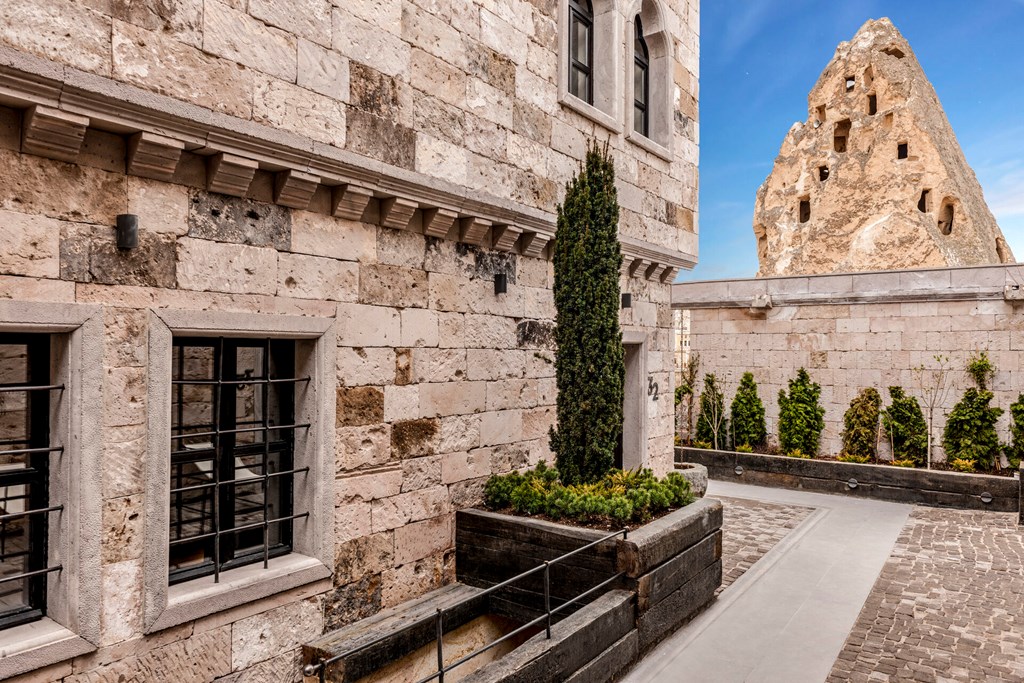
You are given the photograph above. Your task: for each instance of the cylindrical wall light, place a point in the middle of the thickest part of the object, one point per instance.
(127, 231)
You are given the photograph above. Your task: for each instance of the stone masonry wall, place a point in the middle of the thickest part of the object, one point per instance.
(440, 383)
(858, 331)
(464, 91)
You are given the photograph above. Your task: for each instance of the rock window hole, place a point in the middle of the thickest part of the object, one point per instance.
(805, 209)
(872, 105)
(894, 52)
(819, 114)
(869, 77)
(902, 150)
(850, 83)
(924, 204)
(946, 216)
(823, 173)
(842, 135)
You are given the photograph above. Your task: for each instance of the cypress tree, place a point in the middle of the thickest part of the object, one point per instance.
(860, 427)
(748, 426)
(905, 427)
(801, 417)
(589, 367)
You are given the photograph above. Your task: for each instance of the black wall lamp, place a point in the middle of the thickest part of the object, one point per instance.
(500, 283)
(627, 300)
(127, 231)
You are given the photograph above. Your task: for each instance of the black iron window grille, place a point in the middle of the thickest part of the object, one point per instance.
(25, 451)
(232, 454)
(641, 82)
(581, 50)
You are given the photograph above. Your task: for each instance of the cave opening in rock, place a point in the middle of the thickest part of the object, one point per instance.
(823, 173)
(842, 134)
(946, 216)
(805, 209)
(850, 83)
(902, 150)
(924, 204)
(872, 105)
(819, 114)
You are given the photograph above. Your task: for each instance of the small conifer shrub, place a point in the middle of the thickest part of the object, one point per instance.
(801, 417)
(711, 421)
(747, 412)
(906, 429)
(970, 436)
(1015, 449)
(590, 365)
(860, 426)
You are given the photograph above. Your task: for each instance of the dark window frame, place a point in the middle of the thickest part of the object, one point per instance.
(581, 12)
(36, 476)
(641, 61)
(222, 539)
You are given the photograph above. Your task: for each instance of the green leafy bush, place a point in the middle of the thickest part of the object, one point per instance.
(797, 453)
(981, 369)
(589, 366)
(744, 448)
(747, 412)
(702, 444)
(711, 422)
(860, 426)
(619, 497)
(1015, 449)
(801, 417)
(970, 433)
(904, 463)
(962, 465)
(905, 427)
(849, 457)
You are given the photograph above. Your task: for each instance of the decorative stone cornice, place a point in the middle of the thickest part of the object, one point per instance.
(160, 128)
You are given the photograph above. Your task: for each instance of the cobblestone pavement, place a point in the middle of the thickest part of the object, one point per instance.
(750, 529)
(948, 605)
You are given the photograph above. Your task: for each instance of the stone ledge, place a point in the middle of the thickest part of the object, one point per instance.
(27, 81)
(666, 537)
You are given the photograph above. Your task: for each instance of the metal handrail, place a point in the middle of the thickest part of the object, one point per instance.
(319, 668)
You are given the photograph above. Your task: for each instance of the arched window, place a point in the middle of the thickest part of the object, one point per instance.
(581, 50)
(641, 82)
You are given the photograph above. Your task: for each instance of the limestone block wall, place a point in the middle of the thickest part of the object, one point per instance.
(439, 383)
(465, 91)
(857, 331)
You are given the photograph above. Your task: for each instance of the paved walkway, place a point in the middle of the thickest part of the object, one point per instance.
(788, 617)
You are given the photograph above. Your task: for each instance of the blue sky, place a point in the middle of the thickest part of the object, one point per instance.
(760, 59)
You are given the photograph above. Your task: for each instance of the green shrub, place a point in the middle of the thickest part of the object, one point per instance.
(970, 433)
(797, 453)
(904, 463)
(589, 366)
(747, 412)
(1015, 449)
(849, 457)
(860, 426)
(619, 497)
(906, 428)
(711, 422)
(702, 444)
(980, 369)
(744, 448)
(801, 417)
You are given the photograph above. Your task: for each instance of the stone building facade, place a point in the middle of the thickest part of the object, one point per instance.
(325, 195)
(854, 331)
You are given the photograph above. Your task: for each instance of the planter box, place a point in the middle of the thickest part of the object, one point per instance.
(671, 568)
(897, 484)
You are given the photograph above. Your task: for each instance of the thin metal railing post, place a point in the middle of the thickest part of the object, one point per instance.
(440, 645)
(547, 595)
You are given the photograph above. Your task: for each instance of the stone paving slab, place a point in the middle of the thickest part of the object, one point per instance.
(750, 529)
(947, 606)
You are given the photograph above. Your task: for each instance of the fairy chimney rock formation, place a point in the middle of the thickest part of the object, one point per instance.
(875, 179)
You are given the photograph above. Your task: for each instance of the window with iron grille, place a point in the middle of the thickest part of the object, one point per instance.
(581, 50)
(25, 451)
(641, 82)
(232, 447)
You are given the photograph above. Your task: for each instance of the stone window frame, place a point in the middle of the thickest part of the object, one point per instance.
(661, 88)
(312, 556)
(606, 71)
(71, 626)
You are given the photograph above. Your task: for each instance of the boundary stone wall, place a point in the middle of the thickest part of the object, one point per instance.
(853, 331)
